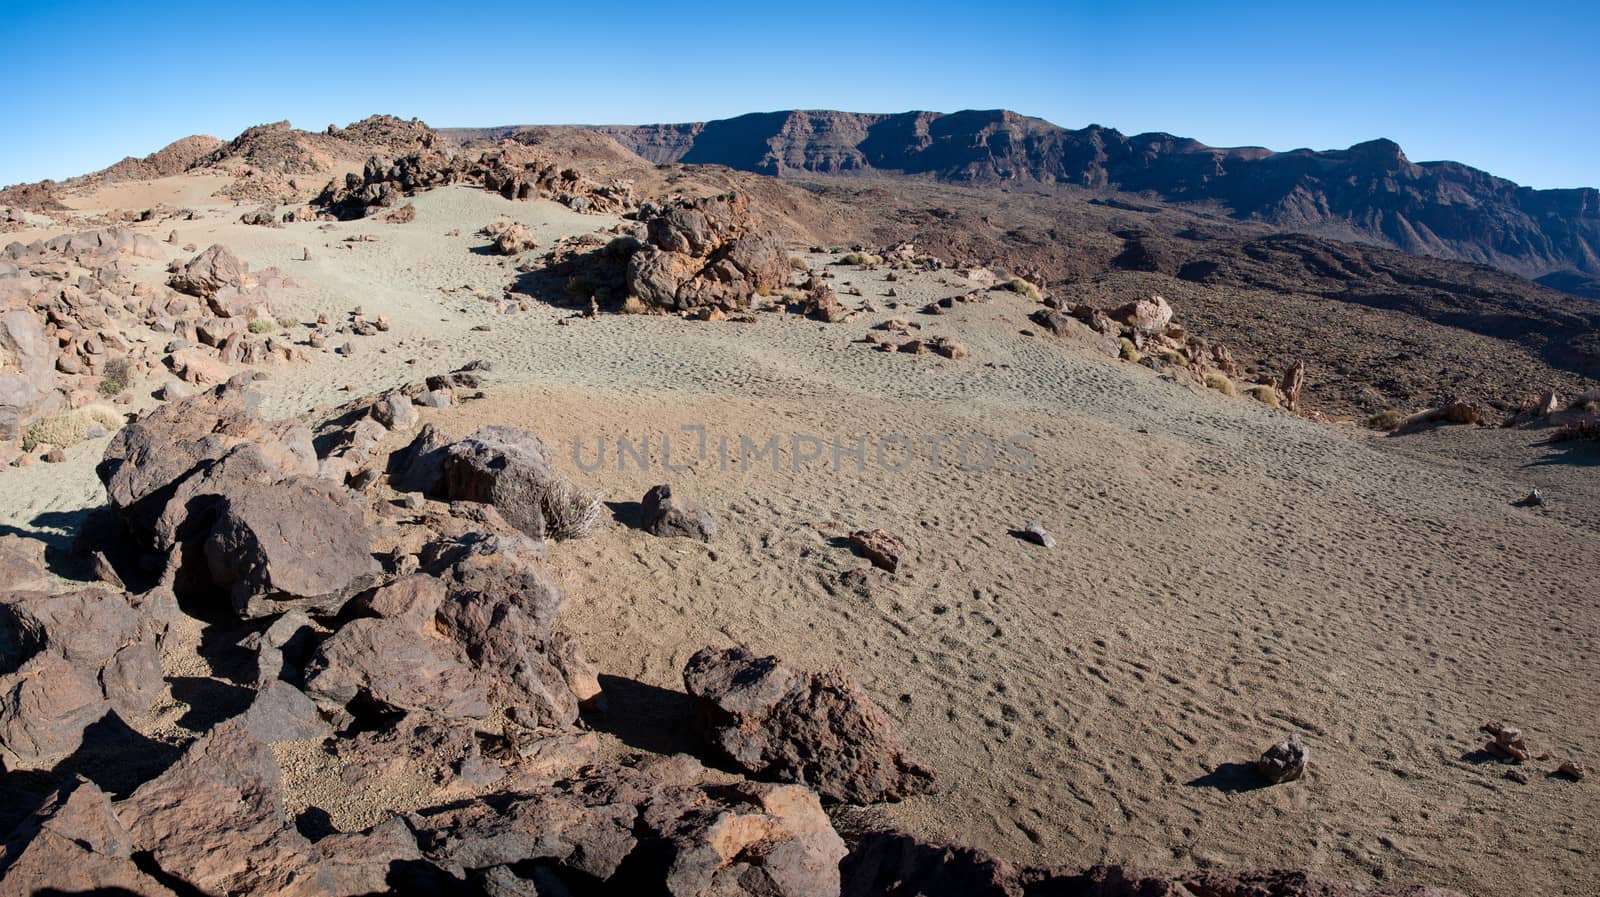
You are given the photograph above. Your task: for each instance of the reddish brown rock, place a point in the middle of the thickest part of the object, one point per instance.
(706, 252)
(817, 729)
(877, 546)
(215, 820)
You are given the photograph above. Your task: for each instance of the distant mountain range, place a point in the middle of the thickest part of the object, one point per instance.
(1370, 192)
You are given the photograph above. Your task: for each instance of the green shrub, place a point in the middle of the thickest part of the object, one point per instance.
(1219, 381)
(111, 386)
(263, 325)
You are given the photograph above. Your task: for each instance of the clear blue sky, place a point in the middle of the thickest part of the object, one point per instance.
(1508, 88)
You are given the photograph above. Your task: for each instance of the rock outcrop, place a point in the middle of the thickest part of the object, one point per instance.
(705, 252)
(818, 729)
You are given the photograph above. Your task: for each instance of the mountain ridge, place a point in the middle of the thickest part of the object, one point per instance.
(1369, 191)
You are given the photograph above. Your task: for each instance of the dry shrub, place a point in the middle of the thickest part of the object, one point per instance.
(864, 259)
(1219, 381)
(570, 511)
(633, 305)
(1127, 350)
(64, 430)
(1023, 287)
(1386, 420)
(1264, 393)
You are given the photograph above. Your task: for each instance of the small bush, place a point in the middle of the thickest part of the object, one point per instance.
(796, 263)
(1263, 393)
(1023, 287)
(286, 322)
(1174, 357)
(1127, 350)
(570, 511)
(633, 305)
(263, 325)
(65, 430)
(111, 386)
(1220, 382)
(1385, 420)
(864, 259)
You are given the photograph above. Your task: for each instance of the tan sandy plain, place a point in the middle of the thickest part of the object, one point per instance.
(1224, 573)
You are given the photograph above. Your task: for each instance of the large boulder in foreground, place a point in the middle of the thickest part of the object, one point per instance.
(163, 469)
(706, 252)
(74, 844)
(299, 543)
(817, 729)
(657, 827)
(216, 820)
(65, 662)
(512, 470)
(895, 864)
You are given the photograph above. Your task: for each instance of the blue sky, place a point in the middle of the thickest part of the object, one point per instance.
(1511, 89)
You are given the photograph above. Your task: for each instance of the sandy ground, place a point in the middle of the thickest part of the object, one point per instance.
(1224, 573)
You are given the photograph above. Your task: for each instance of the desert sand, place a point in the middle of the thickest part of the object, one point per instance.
(1224, 573)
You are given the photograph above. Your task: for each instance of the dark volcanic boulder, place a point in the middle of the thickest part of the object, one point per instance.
(298, 543)
(65, 662)
(818, 729)
(148, 462)
(665, 513)
(512, 470)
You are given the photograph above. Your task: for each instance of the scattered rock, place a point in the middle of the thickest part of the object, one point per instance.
(665, 513)
(1037, 534)
(877, 546)
(1285, 761)
(1505, 742)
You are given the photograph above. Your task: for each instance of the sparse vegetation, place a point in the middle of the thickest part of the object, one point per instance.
(1128, 351)
(633, 305)
(1219, 381)
(1023, 287)
(796, 263)
(864, 259)
(263, 325)
(64, 430)
(570, 511)
(1264, 393)
(1174, 357)
(1385, 420)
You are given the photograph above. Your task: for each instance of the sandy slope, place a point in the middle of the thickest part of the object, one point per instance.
(1224, 573)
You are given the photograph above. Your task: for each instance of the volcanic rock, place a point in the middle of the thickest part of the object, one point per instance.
(817, 729)
(665, 513)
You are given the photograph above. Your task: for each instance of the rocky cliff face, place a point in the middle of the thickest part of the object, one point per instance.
(1370, 191)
